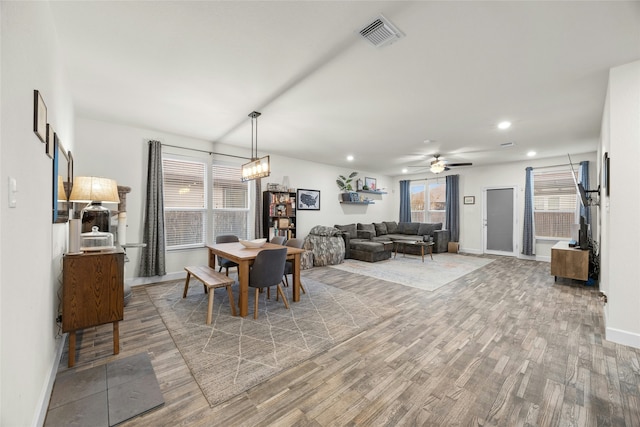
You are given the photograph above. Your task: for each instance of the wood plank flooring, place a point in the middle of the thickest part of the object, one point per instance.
(502, 346)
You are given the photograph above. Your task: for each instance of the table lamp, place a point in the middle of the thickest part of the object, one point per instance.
(95, 191)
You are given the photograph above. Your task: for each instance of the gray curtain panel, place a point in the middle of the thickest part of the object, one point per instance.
(452, 207)
(152, 261)
(585, 211)
(405, 201)
(528, 245)
(258, 218)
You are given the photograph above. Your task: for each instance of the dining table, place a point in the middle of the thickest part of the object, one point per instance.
(244, 257)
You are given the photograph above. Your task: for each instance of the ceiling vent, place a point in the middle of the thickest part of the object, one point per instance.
(381, 32)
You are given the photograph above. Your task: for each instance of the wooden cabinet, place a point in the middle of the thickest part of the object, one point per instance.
(92, 293)
(569, 262)
(279, 214)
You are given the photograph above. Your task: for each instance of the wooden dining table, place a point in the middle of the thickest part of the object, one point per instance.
(244, 257)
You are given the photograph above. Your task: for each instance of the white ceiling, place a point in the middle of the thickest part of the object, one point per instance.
(199, 68)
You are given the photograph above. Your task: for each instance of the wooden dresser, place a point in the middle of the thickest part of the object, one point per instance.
(92, 293)
(569, 262)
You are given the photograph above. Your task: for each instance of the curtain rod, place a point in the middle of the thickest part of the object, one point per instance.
(430, 179)
(205, 151)
(551, 166)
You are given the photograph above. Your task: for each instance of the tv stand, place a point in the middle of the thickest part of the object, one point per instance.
(568, 262)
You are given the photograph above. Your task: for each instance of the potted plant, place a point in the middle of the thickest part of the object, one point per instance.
(344, 184)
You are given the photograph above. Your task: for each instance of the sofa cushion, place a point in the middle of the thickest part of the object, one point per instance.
(392, 226)
(410, 228)
(367, 227)
(349, 228)
(321, 230)
(381, 228)
(427, 229)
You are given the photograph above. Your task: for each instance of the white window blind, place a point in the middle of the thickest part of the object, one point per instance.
(230, 201)
(555, 203)
(184, 202)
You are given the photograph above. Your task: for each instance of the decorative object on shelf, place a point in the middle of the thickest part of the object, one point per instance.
(469, 200)
(257, 167)
(309, 200)
(95, 191)
(39, 116)
(344, 183)
(370, 183)
(359, 185)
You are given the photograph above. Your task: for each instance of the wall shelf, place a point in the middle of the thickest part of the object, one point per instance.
(358, 203)
(371, 191)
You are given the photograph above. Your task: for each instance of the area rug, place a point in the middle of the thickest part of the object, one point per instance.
(409, 270)
(233, 353)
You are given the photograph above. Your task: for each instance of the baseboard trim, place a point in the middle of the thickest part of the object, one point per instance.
(470, 251)
(141, 281)
(622, 337)
(48, 387)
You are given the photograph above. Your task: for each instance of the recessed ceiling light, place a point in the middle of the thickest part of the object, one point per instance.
(405, 170)
(531, 153)
(504, 125)
(350, 158)
(427, 141)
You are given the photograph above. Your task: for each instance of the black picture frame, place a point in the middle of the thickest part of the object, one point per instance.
(606, 171)
(60, 202)
(308, 200)
(469, 200)
(39, 116)
(371, 183)
(50, 145)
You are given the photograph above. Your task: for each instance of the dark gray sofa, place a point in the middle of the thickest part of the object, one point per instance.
(353, 234)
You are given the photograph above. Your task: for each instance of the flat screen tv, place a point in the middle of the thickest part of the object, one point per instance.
(582, 194)
(583, 234)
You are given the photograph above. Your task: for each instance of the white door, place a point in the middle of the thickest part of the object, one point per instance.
(500, 221)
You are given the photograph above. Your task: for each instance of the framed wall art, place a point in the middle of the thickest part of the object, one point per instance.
(370, 183)
(39, 116)
(469, 200)
(50, 147)
(308, 200)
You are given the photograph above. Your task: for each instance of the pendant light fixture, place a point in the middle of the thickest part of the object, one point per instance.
(257, 167)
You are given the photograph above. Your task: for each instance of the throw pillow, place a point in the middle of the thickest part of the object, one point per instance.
(426, 229)
(349, 228)
(392, 226)
(411, 228)
(367, 227)
(381, 228)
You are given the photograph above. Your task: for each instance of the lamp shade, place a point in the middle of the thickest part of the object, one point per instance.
(94, 189)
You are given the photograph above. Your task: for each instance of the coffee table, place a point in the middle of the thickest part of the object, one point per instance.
(419, 243)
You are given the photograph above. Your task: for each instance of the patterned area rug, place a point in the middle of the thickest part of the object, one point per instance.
(234, 353)
(409, 270)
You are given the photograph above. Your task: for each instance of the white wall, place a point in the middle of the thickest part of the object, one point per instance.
(474, 180)
(31, 246)
(120, 152)
(621, 229)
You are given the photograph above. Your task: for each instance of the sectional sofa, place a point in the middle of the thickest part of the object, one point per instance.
(367, 242)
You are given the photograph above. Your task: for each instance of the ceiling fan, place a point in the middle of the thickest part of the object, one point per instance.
(438, 165)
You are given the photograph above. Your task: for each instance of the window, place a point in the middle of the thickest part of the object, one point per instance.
(428, 202)
(189, 184)
(555, 204)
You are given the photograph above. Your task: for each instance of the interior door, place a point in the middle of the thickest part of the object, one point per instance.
(500, 221)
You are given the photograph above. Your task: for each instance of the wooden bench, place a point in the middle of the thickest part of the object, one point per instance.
(211, 280)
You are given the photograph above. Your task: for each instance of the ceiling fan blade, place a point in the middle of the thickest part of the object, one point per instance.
(459, 164)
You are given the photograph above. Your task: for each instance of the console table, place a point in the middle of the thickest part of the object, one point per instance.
(569, 262)
(92, 293)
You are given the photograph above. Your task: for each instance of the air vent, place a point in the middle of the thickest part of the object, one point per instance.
(507, 144)
(381, 32)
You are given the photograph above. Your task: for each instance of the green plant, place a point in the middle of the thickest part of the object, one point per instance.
(344, 183)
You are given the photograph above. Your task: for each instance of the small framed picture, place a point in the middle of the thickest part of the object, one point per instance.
(606, 171)
(50, 147)
(371, 183)
(39, 116)
(469, 200)
(308, 200)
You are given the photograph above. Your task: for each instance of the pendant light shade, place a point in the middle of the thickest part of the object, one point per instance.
(257, 167)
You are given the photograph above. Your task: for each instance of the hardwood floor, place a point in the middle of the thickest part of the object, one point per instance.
(504, 345)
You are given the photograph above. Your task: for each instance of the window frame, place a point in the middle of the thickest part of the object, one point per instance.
(574, 211)
(426, 212)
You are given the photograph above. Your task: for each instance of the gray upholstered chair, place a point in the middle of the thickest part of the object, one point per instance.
(267, 271)
(288, 266)
(223, 262)
(278, 240)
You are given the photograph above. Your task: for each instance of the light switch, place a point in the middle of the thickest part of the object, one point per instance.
(13, 189)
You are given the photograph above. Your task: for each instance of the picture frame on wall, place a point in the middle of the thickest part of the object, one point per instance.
(605, 172)
(308, 200)
(469, 200)
(50, 146)
(370, 183)
(39, 116)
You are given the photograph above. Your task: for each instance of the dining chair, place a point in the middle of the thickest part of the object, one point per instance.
(267, 271)
(278, 240)
(288, 267)
(223, 262)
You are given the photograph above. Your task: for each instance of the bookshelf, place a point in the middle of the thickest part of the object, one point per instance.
(279, 214)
